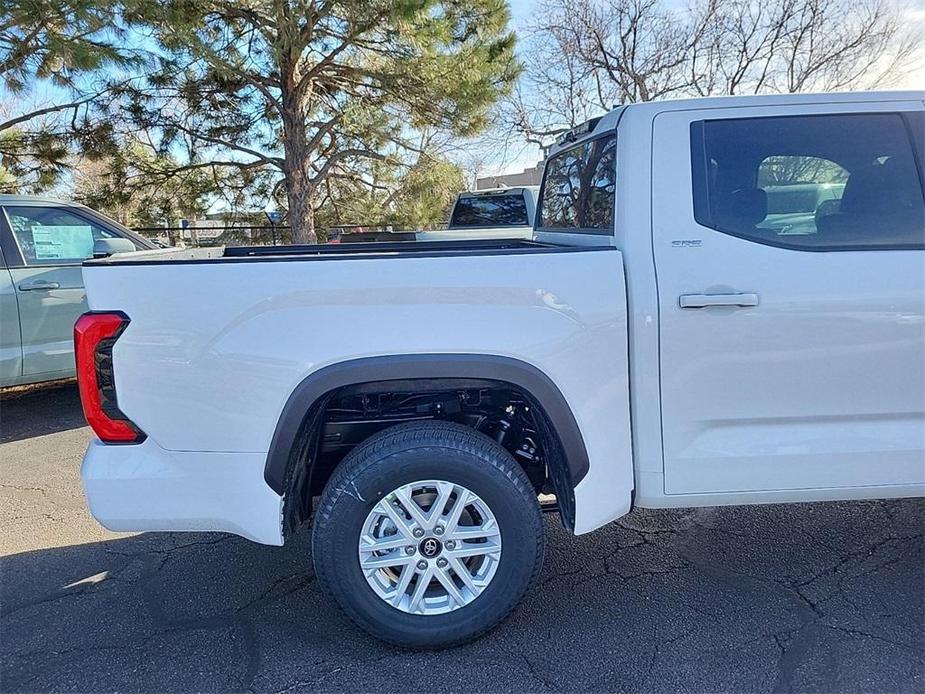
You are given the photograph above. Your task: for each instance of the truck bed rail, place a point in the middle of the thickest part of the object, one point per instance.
(402, 249)
(478, 246)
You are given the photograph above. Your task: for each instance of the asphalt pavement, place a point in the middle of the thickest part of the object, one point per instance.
(780, 598)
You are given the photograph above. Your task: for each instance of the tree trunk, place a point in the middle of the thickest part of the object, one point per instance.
(299, 186)
(301, 212)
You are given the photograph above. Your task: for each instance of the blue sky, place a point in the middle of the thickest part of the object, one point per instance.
(522, 13)
(519, 156)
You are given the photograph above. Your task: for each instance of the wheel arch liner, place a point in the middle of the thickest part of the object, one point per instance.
(314, 389)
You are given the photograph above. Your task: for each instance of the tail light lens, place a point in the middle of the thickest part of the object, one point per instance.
(94, 335)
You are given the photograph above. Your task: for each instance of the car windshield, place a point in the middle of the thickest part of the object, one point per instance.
(490, 210)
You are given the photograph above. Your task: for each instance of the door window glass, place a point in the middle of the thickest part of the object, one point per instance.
(836, 182)
(579, 188)
(53, 235)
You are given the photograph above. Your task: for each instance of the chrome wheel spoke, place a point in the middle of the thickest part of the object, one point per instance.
(458, 507)
(403, 582)
(420, 588)
(375, 561)
(386, 507)
(372, 544)
(444, 491)
(411, 507)
(429, 547)
(447, 582)
(466, 550)
(460, 570)
(483, 532)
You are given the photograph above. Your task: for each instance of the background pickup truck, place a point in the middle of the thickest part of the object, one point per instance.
(665, 341)
(501, 213)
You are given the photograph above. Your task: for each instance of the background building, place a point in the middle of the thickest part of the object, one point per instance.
(527, 177)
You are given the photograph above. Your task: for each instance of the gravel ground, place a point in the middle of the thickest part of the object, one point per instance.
(806, 597)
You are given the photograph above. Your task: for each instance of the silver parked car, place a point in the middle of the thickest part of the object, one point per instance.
(42, 244)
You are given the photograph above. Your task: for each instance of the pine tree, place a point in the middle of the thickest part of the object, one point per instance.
(58, 45)
(317, 91)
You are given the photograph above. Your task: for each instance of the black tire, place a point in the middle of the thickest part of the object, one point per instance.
(419, 451)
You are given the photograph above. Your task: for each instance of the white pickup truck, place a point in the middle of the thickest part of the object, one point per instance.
(664, 341)
(499, 213)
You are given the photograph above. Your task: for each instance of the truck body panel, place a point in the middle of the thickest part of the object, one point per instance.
(210, 378)
(811, 388)
(147, 487)
(706, 361)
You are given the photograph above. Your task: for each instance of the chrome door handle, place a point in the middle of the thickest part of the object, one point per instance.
(707, 300)
(38, 285)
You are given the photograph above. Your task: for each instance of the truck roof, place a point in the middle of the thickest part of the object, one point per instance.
(608, 122)
(6, 199)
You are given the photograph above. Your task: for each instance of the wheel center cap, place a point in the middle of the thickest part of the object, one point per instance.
(430, 547)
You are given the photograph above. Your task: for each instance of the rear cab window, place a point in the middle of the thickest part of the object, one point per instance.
(579, 186)
(490, 210)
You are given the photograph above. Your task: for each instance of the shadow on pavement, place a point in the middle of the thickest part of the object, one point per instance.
(25, 413)
(770, 599)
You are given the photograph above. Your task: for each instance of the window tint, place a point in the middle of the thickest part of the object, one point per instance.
(559, 203)
(816, 182)
(603, 166)
(490, 210)
(53, 235)
(579, 186)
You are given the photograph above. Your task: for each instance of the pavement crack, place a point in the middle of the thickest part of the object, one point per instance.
(22, 488)
(866, 634)
(53, 597)
(271, 595)
(862, 554)
(333, 671)
(78, 590)
(539, 675)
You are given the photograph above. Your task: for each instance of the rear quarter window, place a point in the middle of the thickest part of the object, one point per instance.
(579, 187)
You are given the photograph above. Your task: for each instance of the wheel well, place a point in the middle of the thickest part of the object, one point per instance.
(347, 415)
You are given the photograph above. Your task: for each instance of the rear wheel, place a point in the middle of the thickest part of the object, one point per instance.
(428, 534)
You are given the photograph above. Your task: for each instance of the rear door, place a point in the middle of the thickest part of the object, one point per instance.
(791, 279)
(47, 245)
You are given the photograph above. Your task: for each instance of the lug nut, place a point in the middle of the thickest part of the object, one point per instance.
(409, 550)
(418, 532)
(441, 562)
(438, 530)
(422, 565)
(450, 544)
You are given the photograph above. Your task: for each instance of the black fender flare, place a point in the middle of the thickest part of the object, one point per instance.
(484, 367)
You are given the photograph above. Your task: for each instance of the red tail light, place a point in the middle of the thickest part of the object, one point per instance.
(94, 335)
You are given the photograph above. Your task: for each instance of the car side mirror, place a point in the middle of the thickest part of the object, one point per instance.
(103, 248)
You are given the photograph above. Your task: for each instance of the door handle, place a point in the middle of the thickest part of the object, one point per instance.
(38, 285)
(708, 300)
